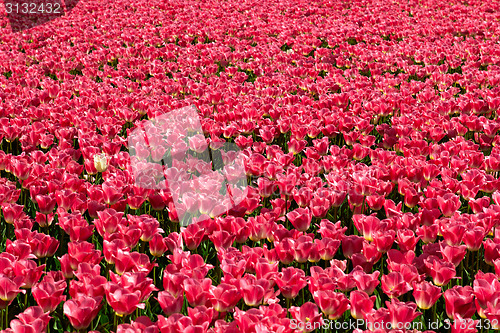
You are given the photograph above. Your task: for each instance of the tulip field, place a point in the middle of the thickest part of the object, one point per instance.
(251, 166)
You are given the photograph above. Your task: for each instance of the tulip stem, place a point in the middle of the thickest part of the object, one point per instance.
(422, 320)
(477, 264)
(154, 275)
(8, 232)
(217, 269)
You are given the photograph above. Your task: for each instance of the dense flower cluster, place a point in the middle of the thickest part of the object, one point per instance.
(368, 135)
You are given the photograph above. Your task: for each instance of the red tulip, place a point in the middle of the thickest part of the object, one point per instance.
(477, 205)
(366, 282)
(253, 295)
(170, 304)
(285, 250)
(427, 234)
(108, 221)
(123, 301)
(440, 271)
(194, 266)
(222, 239)
(307, 318)
(361, 304)
(319, 206)
(296, 146)
(193, 235)
(290, 281)
(332, 304)
(486, 289)
(149, 226)
(9, 288)
(266, 187)
(33, 319)
(136, 281)
(89, 283)
(225, 297)
(82, 310)
(82, 252)
(426, 294)
(453, 254)
(130, 234)
(300, 218)
(378, 319)
(255, 291)
(173, 283)
(461, 325)
(394, 285)
(302, 196)
(12, 212)
(352, 244)
(66, 268)
(197, 292)
(76, 227)
(265, 270)
(49, 293)
(448, 204)
(43, 245)
(139, 325)
(491, 250)
(46, 203)
(29, 270)
(459, 301)
(111, 194)
(366, 225)
(306, 250)
(156, 201)
(232, 268)
(401, 313)
(383, 240)
(375, 202)
(327, 247)
(452, 233)
(126, 261)
(406, 240)
(492, 313)
(157, 246)
(473, 238)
